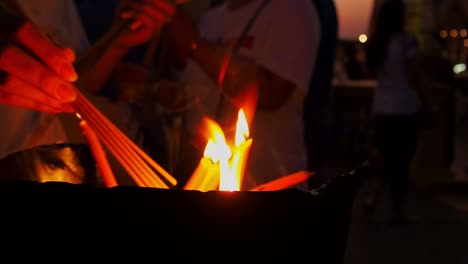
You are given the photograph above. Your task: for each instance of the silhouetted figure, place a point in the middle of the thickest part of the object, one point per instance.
(318, 107)
(397, 105)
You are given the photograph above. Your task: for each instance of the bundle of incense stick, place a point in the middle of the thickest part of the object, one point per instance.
(143, 170)
(134, 160)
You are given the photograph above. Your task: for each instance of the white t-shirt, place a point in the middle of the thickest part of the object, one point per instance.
(393, 94)
(59, 20)
(287, 49)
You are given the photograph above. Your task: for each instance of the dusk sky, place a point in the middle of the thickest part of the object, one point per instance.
(353, 17)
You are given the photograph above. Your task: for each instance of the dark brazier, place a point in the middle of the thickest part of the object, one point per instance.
(287, 225)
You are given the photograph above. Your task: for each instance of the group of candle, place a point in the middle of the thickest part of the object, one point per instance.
(222, 167)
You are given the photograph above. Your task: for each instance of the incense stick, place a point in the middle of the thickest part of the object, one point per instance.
(118, 144)
(129, 144)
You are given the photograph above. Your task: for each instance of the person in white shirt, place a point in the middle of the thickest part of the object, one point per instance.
(398, 104)
(274, 64)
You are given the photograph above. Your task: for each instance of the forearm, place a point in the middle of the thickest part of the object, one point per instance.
(241, 78)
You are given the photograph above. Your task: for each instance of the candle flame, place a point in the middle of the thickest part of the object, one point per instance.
(242, 128)
(216, 149)
(231, 160)
(231, 172)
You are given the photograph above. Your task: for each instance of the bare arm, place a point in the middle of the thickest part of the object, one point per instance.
(243, 78)
(149, 16)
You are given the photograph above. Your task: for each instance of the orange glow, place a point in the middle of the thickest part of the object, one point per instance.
(353, 17)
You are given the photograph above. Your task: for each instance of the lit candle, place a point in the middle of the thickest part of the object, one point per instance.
(99, 155)
(210, 181)
(239, 160)
(241, 149)
(205, 177)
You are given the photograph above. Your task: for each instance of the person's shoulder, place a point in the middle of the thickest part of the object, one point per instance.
(214, 13)
(293, 10)
(295, 6)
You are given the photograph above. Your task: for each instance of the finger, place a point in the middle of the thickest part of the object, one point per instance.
(57, 58)
(30, 70)
(15, 91)
(19, 101)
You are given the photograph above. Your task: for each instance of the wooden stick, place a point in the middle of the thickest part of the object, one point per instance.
(127, 142)
(115, 152)
(285, 182)
(113, 141)
(119, 138)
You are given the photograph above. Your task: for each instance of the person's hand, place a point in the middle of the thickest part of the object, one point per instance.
(34, 73)
(149, 16)
(131, 80)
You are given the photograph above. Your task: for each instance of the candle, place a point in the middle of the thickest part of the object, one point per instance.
(211, 180)
(205, 177)
(239, 160)
(99, 155)
(228, 179)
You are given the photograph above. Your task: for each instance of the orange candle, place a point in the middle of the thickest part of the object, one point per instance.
(205, 177)
(99, 155)
(240, 158)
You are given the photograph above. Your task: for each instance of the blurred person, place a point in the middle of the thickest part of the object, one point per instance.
(269, 77)
(354, 63)
(40, 46)
(397, 104)
(339, 69)
(320, 127)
